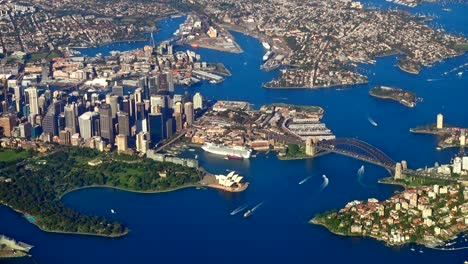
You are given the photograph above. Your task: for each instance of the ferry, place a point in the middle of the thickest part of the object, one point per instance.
(266, 45)
(372, 121)
(248, 213)
(267, 55)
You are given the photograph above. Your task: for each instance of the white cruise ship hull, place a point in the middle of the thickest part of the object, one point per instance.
(228, 151)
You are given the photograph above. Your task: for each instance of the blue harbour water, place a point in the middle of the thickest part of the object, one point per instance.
(194, 226)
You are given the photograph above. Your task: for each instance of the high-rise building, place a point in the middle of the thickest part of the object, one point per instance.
(64, 137)
(153, 85)
(121, 142)
(50, 124)
(33, 100)
(197, 101)
(118, 90)
(440, 121)
(170, 81)
(124, 123)
(178, 108)
(179, 122)
(114, 103)
(87, 123)
(71, 112)
(188, 109)
(138, 95)
(457, 165)
(169, 127)
(45, 65)
(25, 130)
(7, 122)
(142, 142)
(462, 137)
(156, 128)
(107, 127)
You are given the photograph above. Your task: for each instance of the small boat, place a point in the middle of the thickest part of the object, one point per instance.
(438, 148)
(112, 211)
(412, 249)
(196, 156)
(460, 74)
(191, 150)
(420, 251)
(372, 121)
(248, 213)
(251, 211)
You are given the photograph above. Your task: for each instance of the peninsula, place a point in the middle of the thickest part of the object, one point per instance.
(33, 183)
(322, 42)
(448, 136)
(405, 98)
(427, 215)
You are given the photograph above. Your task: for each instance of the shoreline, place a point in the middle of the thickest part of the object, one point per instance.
(390, 98)
(313, 87)
(195, 185)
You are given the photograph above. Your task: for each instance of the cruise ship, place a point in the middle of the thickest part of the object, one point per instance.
(234, 151)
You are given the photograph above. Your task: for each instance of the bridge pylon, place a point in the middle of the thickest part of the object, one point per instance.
(310, 148)
(399, 170)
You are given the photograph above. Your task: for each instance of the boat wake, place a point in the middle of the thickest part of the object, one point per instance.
(239, 209)
(325, 183)
(305, 180)
(257, 206)
(372, 121)
(360, 173)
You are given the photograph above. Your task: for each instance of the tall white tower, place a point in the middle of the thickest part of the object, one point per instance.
(33, 100)
(440, 121)
(197, 101)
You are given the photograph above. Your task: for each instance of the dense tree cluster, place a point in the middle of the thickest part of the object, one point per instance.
(38, 183)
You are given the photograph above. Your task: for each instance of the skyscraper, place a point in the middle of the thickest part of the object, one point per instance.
(197, 101)
(7, 122)
(142, 142)
(33, 100)
(121, 142)
(114, 104)
(440, 121)
(71, 118)
(178, 108)
(87, 122)
(156, 128)
(118, 90)
(107, 127)
(179, 122)
(50, 122)
(124, 123)
(188, 109)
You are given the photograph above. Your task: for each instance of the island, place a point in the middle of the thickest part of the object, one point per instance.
(405, 98)
(33, 183)
(426, 214)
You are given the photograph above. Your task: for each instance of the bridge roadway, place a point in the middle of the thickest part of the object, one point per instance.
(357, 149)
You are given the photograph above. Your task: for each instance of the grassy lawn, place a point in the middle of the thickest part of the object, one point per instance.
(9, 155)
